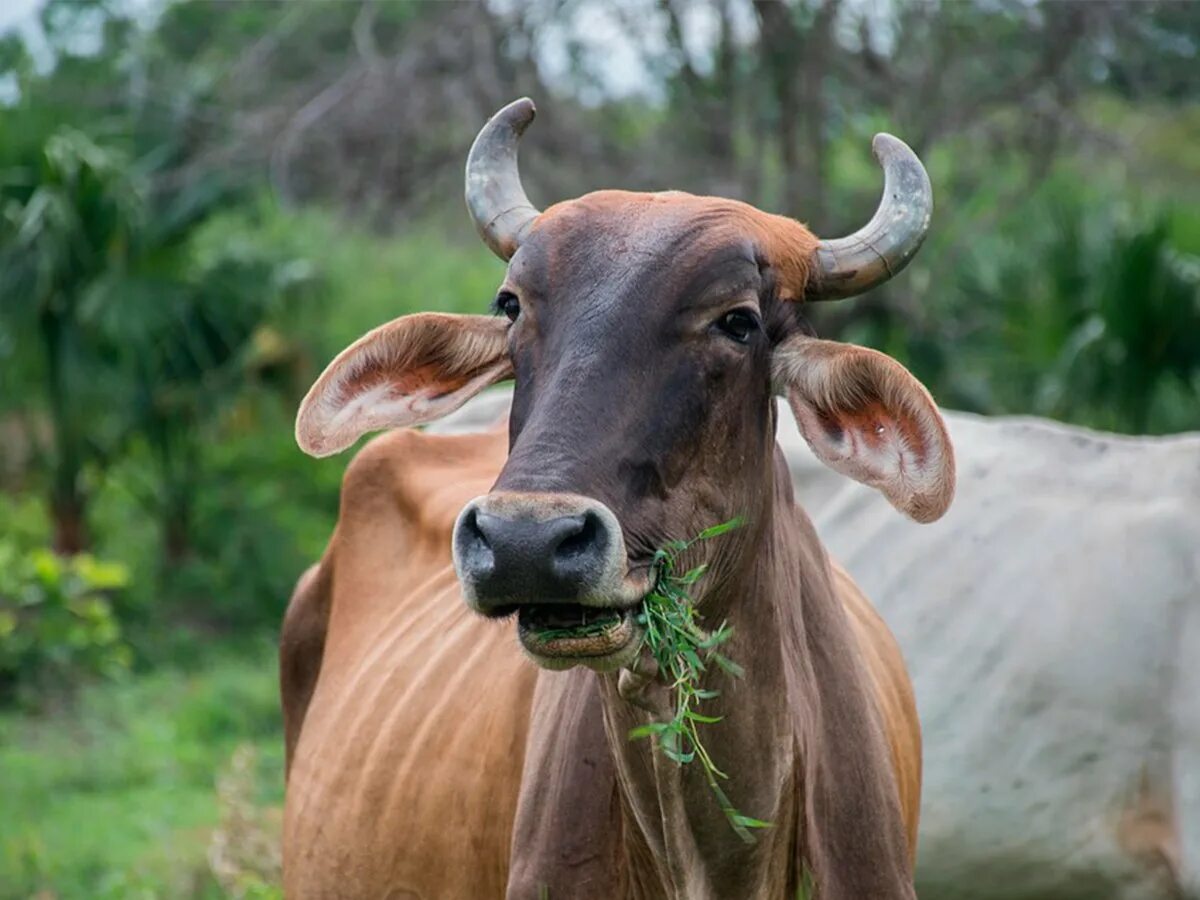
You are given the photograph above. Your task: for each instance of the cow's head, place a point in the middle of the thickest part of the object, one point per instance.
(646, 334)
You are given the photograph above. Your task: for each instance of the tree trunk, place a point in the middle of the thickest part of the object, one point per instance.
(70, 524)
(815, 63)
(780, 41)
(68, 502)
(177, 538)
(175, 442)
(725, 108)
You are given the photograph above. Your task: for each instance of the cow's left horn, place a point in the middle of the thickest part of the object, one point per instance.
(497, 202)
(877, 251)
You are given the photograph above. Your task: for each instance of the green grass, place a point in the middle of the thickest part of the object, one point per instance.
(683, 649)
(115, 795)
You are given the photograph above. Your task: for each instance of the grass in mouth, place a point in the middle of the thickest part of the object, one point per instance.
(602, 623)
(683, 651)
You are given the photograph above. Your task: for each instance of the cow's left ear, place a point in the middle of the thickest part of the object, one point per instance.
(413, 370)
(864, 415)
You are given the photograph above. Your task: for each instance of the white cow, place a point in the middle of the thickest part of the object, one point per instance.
(1051, 625)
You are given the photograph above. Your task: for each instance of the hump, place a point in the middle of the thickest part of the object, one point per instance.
(425, 477)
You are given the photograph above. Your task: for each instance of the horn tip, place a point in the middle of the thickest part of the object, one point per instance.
(884, 145)
(518, 114)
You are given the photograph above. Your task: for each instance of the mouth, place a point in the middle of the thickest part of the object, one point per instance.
(559, 636)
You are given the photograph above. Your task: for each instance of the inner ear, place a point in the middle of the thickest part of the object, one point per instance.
(410, 371)
(865, 415)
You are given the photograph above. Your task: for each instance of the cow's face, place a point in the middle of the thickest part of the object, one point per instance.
(646, 334)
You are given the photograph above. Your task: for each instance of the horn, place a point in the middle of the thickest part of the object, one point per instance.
(873, 254)
(495, 198)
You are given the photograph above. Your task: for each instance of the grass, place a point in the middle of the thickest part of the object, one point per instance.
(683, 650)
(115, 796)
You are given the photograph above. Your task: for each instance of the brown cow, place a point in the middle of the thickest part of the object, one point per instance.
(646, 335)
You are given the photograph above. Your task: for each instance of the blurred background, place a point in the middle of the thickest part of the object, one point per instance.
(200, 203)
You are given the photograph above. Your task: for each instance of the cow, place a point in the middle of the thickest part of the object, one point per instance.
(1052, 625)
(647, 335)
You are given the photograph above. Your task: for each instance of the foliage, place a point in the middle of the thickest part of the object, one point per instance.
(244, 853)
(1076, 308)
(132, 769)
(58, 623)
(65, 224)
(682, 650)
(132, 335)
(260, 510)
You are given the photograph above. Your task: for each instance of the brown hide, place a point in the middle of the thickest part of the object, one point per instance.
(408, 717)
(405, 768)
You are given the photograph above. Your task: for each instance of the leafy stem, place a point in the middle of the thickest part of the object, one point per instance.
(683, 651)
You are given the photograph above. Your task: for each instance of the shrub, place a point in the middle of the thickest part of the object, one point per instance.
(56, 619)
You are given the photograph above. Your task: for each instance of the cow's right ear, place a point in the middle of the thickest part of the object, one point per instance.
(408, 372)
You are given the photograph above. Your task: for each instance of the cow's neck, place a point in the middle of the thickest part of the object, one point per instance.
(800, 741)
(673, 820)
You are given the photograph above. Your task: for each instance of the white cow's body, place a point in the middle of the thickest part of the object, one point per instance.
(1051, 625)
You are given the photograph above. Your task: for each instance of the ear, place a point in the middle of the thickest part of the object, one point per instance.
(408, 372)
(864, 415)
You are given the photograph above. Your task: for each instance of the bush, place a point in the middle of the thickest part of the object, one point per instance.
(56, 619)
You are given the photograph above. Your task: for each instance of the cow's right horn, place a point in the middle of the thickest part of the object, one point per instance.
(498, 205)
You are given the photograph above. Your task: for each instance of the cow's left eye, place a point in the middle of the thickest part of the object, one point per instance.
(738, 324)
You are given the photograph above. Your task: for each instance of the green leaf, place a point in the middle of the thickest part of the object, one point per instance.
(47, 567)
(101, 575)
(748, 822)
(679, 756)
(649, 730)
(724, 527)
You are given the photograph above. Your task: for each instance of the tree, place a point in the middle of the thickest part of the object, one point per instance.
(67, 222)
(129, 335)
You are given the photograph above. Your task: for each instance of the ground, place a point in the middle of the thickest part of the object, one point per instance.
(115, 794)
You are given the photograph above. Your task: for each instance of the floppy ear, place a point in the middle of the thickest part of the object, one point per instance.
(408, 372)
(864, 415)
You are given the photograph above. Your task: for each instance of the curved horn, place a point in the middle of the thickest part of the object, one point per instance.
(877, 251)
(497, 202)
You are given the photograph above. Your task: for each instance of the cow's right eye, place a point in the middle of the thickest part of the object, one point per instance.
(509, 305)
(738, 324)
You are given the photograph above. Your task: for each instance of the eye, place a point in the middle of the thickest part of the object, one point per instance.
(738, 324)
(508, 304)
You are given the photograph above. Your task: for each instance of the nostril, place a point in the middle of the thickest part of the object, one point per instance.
(582, 539)
(474, 548)
(472, 530)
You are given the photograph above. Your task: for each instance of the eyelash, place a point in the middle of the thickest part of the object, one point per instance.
(751, 321)
(500, 305)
